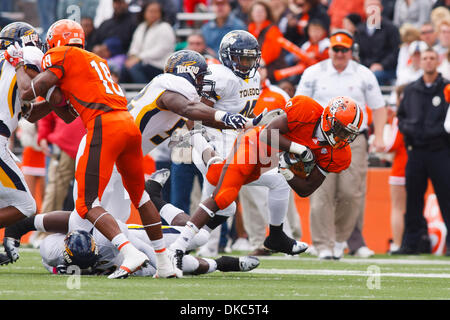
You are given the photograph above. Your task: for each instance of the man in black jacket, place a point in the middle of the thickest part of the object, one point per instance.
(421, 116)
(379, 42)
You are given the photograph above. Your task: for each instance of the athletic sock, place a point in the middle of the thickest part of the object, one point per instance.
(185, 237)
(227, 264)
(18, 229)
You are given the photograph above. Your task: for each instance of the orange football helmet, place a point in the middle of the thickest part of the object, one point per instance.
(341, 120)
(65, 32)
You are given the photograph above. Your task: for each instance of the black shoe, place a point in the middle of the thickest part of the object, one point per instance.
(4, 259)
(282, 243)
(406, 250)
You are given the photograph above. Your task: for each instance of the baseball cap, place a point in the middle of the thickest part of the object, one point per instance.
(417, 47)
(341, 39)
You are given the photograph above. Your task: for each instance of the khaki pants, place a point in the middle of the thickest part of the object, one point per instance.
(336, 204)
(61, 171)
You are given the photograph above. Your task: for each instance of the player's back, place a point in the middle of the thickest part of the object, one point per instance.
(86, 80)
(155, 123)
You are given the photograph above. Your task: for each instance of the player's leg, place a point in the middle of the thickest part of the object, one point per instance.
(278, 203)
(105, 140)
(130, 165)
(196, 266)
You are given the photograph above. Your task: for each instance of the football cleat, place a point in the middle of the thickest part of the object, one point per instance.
(130, 264)
(248, 263)
(4, 259)
(171, 265)
(11, 248)
(285, 244)
(161, 176)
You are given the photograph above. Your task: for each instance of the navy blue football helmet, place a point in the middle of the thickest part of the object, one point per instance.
(80, 249)
(239, 50)
(21, 32)
(192, 66)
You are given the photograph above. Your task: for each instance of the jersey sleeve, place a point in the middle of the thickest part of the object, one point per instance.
(182, 86)
(55, 61)
(32, 57)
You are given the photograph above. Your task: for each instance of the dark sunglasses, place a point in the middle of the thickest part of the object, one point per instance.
(343, 50)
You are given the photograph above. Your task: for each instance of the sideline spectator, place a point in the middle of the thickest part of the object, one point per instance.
(317, 45)
(443, 35)
(412, 71)
(196, 42)
(213, 31)
(379, 43)
(90, 33)
(153, 41)
(415, 12)
(112, 51)
(302, 11)
(337, 206)
(263, 28)
(428, 34)
(122, 25)
(421, 117)
(408, 34)
(395, 144)
(242, 10)
(351, 22)
(442, 3)
(278, 8)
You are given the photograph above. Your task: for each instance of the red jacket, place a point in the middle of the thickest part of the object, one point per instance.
(65, 136)
(270, 49)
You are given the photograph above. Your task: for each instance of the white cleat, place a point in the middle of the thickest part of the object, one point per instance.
(248, 263)
(170, 265)
(130, 264)
(161, 176)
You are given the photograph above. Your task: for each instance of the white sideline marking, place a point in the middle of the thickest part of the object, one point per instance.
(349, 273)
(364, 261)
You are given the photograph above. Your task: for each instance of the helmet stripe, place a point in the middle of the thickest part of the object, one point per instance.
(358, 117)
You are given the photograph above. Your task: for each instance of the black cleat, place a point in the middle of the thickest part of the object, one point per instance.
(284, 244)
(4, 259)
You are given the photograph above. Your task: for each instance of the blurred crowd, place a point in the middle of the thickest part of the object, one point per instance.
(136, 36)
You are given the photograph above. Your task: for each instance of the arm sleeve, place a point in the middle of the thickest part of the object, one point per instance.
(55, 61)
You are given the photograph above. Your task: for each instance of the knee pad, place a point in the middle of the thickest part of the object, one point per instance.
(225, 197)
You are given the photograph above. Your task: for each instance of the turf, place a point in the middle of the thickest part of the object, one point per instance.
(277, 278)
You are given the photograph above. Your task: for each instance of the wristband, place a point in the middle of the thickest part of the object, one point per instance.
(297, 148)
(49, 93)
(219, 114)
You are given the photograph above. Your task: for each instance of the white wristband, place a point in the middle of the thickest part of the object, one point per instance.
(297, 148)
(219, 115)
(49, 93)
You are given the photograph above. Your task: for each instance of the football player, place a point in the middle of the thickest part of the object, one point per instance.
(237, 89)
(16, 201)
(81, 78)
(316, 136)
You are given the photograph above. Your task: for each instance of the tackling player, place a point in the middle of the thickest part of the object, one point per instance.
(16, 201)
(319, 137)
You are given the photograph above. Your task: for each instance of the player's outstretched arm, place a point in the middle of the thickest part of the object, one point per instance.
(198, 111)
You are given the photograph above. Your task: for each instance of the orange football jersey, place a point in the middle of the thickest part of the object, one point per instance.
(303, 114)
(85, 80)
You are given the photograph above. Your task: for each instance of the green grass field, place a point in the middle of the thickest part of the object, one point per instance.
(277, 278)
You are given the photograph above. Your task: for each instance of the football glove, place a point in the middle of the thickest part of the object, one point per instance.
(284, 163)
(256, 121)
(308, 160)
(14, 54)
(26, 109)
(235, 120)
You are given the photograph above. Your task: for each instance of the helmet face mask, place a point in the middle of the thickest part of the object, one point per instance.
(20, 32)
(341, 121)
(239, 51)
